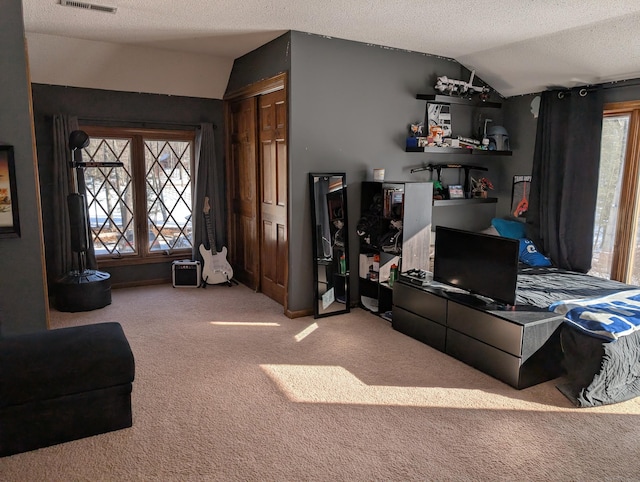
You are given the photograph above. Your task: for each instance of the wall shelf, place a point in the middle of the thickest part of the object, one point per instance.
(458, 150)
(448, 99)
(458, 202)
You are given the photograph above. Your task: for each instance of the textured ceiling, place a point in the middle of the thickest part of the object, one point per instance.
(517, 46)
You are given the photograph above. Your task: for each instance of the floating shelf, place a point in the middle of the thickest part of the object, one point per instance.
(448, 99)
(458, 202)
(458, 150)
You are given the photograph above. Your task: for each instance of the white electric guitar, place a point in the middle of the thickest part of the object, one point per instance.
(216, 268)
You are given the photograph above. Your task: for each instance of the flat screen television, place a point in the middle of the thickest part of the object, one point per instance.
(479, 263)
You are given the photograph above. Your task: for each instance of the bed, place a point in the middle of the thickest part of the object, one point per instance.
(600, 368)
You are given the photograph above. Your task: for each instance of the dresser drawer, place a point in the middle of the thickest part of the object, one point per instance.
(420, 302)
(487, 328)
(420, 328)
(488, 359)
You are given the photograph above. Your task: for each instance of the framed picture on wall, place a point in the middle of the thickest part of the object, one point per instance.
(520, 196)
(9, 222)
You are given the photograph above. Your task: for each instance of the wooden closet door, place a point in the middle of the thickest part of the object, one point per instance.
(272, 125)
(242, 174)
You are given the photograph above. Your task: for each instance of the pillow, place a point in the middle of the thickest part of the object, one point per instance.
(508, 228)
(529, 254)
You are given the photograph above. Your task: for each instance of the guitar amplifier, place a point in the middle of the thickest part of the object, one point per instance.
(186, 273)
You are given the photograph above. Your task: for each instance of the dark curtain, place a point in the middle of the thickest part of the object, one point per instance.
(565, 176)
(64, 260)
(209, 182)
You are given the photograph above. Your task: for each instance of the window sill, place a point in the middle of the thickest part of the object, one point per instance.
(133, 260)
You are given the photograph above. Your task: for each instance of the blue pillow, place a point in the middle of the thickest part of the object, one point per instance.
(508, 228)
(530, 255)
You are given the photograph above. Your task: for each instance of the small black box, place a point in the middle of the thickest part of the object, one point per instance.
(186, 273)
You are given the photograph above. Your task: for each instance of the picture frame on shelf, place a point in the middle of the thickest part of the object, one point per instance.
(9, 219)
(439, 115)
(456, 191)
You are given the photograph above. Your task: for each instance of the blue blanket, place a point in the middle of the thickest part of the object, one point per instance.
(607, 317)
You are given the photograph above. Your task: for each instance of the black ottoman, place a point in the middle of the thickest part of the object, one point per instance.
(65, 384)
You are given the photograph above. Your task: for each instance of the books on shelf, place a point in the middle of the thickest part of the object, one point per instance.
(393, 202)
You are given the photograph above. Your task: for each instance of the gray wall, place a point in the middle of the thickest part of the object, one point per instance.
(265, 62)
(23, 291)
(351, 106)
(522, 127)
(104, 107)
(622, 91)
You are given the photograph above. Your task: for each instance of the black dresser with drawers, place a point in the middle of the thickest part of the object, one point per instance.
(519, 345)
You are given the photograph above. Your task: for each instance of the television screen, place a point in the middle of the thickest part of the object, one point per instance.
(482, 264)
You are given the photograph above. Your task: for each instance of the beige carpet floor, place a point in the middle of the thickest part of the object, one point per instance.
(227, 388)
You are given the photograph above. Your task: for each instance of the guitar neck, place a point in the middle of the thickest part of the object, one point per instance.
(210, 233)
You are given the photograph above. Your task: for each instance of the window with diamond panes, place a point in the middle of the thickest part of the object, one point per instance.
(143, 208)
(109, 193)
(168, 189)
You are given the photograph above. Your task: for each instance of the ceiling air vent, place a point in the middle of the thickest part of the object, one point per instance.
(88, 6)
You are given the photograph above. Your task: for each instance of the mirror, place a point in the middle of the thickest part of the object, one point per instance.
(330, 234)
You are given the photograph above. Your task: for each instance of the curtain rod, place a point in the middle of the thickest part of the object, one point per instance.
(626, 83)
(139, 122)
(584, 90)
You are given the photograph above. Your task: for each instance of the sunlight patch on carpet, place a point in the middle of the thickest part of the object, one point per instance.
(306, 332)
(335, 384)
(242, 323)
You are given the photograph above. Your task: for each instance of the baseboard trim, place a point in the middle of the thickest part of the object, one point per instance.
(298, 314)
(146, 282)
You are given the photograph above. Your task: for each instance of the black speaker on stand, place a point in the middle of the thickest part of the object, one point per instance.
(81, 289)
